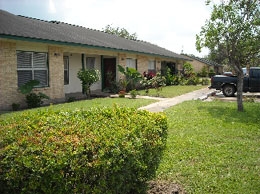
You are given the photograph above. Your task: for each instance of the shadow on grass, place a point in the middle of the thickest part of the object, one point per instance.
(228, 112)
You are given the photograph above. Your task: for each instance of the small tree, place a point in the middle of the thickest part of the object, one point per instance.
(234, 30)
(87, 78)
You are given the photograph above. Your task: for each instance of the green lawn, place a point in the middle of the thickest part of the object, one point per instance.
(212, 148)
(97, 102)
(172, 91)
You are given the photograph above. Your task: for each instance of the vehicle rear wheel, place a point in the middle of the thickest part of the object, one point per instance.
(229, 90)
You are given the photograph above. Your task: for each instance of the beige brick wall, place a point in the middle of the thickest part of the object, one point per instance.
(8, 76)
(142, 64)
(122, 62)
(56, 75)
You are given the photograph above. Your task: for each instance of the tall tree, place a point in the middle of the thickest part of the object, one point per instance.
(121, 32)
(234, 26)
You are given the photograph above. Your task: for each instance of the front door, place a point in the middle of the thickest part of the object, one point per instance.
(109, 74)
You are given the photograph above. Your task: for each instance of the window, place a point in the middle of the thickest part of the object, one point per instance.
(131, 63)
(151, 66)
(32, 66)
(66, 70)
(90, 62)
(255, 73)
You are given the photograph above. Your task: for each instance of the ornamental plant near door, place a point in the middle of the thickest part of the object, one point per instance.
(87, 78)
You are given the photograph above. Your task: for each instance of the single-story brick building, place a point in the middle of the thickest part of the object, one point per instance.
(53, 52)
(198, 63)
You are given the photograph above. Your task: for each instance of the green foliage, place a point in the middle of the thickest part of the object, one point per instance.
(203, 72)
(102, 150)
(146, 83)
(179, 79)
(87, 78)
(28, 87)
(193, 80)
(188, 70)
(133, 93)
(132, 76)
(211, 72)
(205, 81)
(71, 99)
(158, 82)
(189, 77)
(15, 106)
(169, 78)
(121, 32)
(33, 100)
(233, 32)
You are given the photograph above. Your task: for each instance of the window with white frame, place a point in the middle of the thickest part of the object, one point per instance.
(90, 62)
(66, 70)
(131, 63)
(151, 66)
(32, 66)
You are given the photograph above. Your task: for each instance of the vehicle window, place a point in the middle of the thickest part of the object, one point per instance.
(256, 73)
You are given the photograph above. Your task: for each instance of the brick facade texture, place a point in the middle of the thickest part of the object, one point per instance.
(9, 92)
(8, 76)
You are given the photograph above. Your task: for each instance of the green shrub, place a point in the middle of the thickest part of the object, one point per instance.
(211, 73)
(133, 93)
(34, 100)
(15, 106)
(103, 150)
(205, 81)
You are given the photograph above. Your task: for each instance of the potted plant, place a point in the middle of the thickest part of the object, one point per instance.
(121, 94)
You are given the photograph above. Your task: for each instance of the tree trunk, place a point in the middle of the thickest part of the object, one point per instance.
(240, 80)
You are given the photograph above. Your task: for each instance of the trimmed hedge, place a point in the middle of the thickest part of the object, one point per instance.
(103, 150)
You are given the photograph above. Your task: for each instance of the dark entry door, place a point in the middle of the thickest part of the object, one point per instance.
(109, 72)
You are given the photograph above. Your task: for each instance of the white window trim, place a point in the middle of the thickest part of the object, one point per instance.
(33, 68)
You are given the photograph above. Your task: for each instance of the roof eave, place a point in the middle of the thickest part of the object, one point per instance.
(32, 39)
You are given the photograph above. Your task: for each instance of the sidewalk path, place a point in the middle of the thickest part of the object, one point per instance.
(165, 103)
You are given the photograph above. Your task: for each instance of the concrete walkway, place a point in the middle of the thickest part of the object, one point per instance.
(165, 103)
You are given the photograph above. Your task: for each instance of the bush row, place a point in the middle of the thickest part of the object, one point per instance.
(103, 150)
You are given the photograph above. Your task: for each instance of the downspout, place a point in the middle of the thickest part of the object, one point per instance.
(102, 73)
(82, 60)
(83, 67)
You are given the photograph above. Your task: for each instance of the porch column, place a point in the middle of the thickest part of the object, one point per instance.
(56, 73)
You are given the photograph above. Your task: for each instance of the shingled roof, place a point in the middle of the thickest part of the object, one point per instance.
(204, 60)
(20, 27)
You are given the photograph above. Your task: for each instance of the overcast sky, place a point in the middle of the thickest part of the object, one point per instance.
(172, 24)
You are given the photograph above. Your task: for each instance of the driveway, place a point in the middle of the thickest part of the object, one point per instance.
(247, 97)
(165, 103)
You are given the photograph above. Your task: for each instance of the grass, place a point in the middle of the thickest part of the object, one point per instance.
(171, 91)
(87, 104)
(212, 148)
